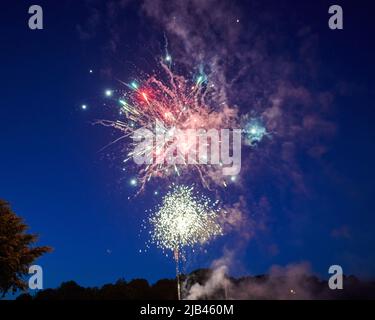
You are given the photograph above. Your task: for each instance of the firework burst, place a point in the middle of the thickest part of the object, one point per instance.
(184, 219)
(164, 107)
(253, 129)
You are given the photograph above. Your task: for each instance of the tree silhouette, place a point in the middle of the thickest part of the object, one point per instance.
(17, 250)
(262, 287)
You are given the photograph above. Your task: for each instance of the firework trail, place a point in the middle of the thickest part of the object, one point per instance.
(184, 219)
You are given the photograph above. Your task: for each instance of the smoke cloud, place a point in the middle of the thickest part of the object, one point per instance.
(294, 281)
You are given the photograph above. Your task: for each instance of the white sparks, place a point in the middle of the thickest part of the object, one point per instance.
(184, 219)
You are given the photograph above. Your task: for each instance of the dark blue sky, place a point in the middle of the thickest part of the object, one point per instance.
(53, 174)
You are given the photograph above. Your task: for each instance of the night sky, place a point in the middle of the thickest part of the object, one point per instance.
(316, 205)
